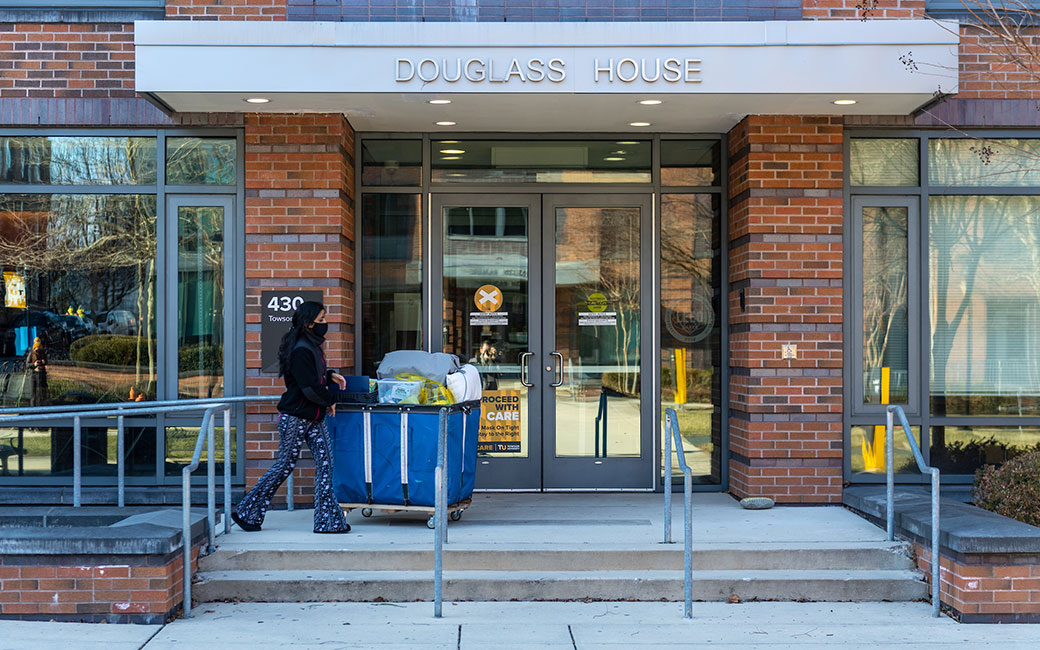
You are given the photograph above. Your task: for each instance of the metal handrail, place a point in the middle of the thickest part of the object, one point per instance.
(119, 410)
(672, 430)
(890, 492)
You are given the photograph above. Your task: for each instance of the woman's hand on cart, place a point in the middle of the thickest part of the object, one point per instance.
(339, 380)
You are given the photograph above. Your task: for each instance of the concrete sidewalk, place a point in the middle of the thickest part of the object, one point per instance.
(533, 626)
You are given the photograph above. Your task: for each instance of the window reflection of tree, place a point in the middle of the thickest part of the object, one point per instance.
(201, 312)
(885, 285)
(93, 252)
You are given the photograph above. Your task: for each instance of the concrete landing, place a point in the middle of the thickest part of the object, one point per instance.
(576, 520)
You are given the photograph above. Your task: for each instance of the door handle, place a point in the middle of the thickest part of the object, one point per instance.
(523, 369)
(559, 369)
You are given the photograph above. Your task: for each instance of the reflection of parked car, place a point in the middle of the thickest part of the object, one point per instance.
(120, 321)
(18, 337)
(77, 326)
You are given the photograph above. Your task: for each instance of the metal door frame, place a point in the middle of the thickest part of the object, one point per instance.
(587, 473)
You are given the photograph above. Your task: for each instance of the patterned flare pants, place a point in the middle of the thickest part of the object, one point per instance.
(292, 431)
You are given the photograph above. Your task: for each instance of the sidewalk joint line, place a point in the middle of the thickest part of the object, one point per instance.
(573, 642)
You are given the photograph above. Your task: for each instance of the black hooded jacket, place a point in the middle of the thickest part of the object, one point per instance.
(307, 394)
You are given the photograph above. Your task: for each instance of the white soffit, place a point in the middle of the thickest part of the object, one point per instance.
(545, 76)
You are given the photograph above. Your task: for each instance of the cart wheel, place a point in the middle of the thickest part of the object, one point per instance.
(366, 512)
(455, 515)
(431, 523)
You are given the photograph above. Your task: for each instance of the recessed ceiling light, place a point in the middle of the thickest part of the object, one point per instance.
(639, 124)
(844, 102)
(613, 158)
(650, 102)
(257, 100)
(447, 142)
(619, 152)
(456, 175)
(626, 142)
(449, 157)
(445, 123)
(440, 101)
(453, 152)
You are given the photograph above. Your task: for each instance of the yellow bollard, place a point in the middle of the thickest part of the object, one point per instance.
(874, 455)
(680, 375)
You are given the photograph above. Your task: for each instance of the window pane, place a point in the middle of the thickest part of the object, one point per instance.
(883, 161)
(64, 160)
(180, 447)
(391, 284)
(690, 354)
(200, 301)
(885, 326)
(690, 162)
(200, 161)
(962, 450)
(78, 315)
(542, 161)
(33, 451)
(980, 162)
(985, 305)
(868, 450)
(391, 162)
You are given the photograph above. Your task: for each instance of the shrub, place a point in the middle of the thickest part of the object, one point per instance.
(212, 358)
(1013, 489)
(111, 349)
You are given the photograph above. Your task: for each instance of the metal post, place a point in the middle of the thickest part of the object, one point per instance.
(890, 476)
(211, 484)
(668, 476)
(289, 488)
(186, 537)
(120, 463)
(227, 470)
(688, 541)
(440, 504)
(936, 558)
(77, 463)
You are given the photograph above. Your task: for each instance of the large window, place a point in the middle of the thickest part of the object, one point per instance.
(91, 243)
(964, 359)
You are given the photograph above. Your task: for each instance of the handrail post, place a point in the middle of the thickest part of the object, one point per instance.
(211, 484)
(120, 463)
(688, 541)
(668, 476)
(440, 504)
(890, 475)
(227, 470)
(936, 557)
(77, 463)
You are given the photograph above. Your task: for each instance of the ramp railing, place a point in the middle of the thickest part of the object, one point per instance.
(120, 410)
(440, 511)
(890, 412)
(671, 431)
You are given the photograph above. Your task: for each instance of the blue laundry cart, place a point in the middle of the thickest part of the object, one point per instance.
(385, 457)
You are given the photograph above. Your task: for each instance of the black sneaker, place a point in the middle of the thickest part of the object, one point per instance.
(333, 532)
(249, 528)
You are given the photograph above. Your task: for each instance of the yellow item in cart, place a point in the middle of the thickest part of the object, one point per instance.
(433, 392)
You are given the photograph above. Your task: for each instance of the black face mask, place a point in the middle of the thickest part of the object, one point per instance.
(320, 329)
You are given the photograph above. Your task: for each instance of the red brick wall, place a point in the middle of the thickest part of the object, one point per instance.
(988, 71)
(225, 9)
(786, 259)
(997, 588)
(860, 9)
(299, 235)
(79, 60)
(117, 589)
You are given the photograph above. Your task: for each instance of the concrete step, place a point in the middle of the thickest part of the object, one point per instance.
(849, 556)
(524, 585)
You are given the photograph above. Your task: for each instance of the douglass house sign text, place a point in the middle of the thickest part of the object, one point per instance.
(477, 69)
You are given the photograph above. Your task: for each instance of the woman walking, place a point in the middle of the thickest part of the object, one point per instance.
(301, 418)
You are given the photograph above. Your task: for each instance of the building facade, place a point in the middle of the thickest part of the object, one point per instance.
(774, 217)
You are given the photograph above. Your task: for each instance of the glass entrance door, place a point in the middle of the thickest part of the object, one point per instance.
(545, 295)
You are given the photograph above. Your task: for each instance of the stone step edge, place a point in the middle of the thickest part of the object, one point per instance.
(506, 575)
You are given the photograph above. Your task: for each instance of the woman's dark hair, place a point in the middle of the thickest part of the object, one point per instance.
(302, 317)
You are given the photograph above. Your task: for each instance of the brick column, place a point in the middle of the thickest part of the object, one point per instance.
(785, 239)
(299, 235)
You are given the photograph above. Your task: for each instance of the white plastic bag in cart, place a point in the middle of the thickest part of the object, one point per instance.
(464, 383)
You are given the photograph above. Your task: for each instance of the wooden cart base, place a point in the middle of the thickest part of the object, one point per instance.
(455, 510)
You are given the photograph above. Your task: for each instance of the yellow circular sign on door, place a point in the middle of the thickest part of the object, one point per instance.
(597, 302)
(488, 298)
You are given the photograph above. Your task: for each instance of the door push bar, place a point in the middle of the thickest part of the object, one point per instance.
(523, 369)
(559, 370)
